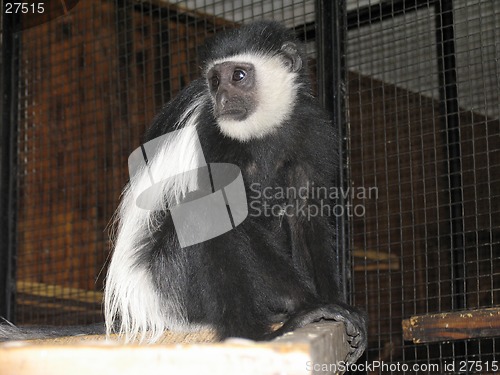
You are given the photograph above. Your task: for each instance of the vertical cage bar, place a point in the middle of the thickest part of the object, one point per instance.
(449, 114)
(8, 143)
(331, 79)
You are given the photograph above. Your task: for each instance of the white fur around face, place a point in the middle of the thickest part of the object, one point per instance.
(276, 96)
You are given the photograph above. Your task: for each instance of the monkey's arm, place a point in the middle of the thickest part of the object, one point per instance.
(313, 253)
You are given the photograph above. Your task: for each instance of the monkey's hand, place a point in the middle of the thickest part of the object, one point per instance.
(355, 326)
(354, 321)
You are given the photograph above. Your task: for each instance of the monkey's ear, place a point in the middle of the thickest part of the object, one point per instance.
(292, 58)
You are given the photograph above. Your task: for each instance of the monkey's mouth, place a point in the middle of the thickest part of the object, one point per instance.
(232, 114)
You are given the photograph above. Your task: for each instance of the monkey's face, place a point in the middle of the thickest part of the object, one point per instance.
(253, 94)
(233, 89)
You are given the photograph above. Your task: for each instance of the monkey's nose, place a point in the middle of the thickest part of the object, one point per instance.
(222, 98)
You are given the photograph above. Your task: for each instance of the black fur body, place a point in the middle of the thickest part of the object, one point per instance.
(269, 269)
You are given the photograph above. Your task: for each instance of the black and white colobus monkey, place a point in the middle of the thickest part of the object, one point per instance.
(253, 108)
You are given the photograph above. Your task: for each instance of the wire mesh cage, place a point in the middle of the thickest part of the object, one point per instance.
(423, 105)
(422, 132)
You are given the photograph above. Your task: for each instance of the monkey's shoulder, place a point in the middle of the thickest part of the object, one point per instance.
(179, 107)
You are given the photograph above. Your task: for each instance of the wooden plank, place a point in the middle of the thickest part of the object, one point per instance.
(294, 354)
(373, 260)
(58, 291)
(457, 325)
(193, 15)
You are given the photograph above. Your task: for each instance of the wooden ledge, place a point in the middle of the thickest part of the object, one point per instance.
(293, 353)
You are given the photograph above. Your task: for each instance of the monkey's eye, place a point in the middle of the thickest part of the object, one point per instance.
(239, 74)
(214, 81)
